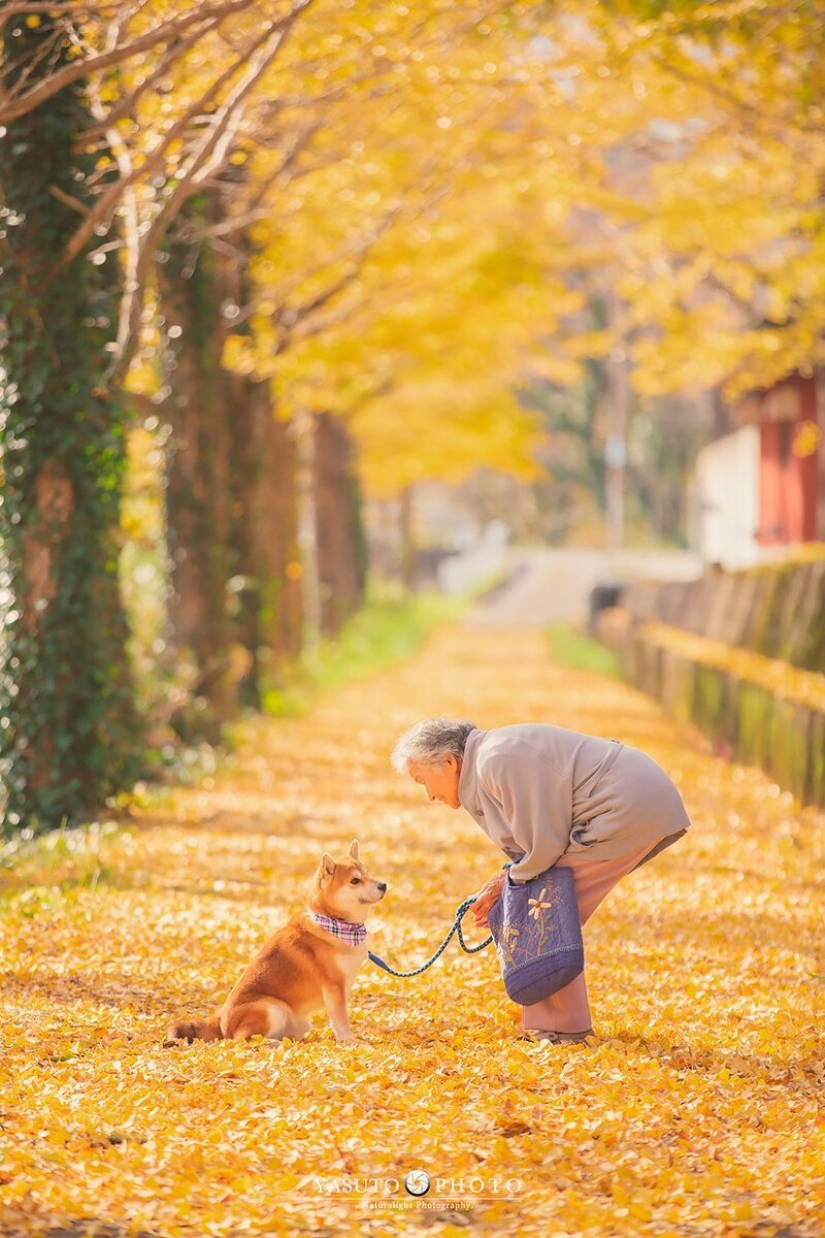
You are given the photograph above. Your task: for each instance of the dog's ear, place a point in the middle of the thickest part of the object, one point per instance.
(325, 869)
(354, 849)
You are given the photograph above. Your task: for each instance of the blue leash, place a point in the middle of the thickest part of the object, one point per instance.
(456, 928)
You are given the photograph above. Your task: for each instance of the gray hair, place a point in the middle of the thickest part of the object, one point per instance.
(430, 741)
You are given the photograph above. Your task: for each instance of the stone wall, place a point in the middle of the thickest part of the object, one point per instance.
(776, 610)
(741, 655)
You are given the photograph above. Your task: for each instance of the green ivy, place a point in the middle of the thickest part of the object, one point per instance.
(67, 730)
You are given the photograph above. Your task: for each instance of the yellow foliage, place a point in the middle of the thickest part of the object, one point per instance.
(697, 1110)
(422, 219)
(433, 192)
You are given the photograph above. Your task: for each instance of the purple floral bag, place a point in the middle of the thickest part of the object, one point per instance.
(538, 935)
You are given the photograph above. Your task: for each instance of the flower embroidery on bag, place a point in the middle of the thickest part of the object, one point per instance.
(538, 905)
(510, 943)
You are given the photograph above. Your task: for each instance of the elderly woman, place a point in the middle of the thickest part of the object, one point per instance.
(548, 796)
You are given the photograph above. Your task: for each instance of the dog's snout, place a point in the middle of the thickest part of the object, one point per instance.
(382, 886)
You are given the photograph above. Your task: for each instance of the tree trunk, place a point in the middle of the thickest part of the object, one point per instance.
(264, 537)
(616, 413)
(231, 487)
(67, 727)
(304, 432)
(408, 555)
(341, 546)
(197, 495)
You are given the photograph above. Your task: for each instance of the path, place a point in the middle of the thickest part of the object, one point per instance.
(698, 1113)
(545, 586)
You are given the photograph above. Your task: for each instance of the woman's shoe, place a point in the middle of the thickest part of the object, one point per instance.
(558, 1038)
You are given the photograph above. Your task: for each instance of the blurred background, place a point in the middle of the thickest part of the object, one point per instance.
(316, 315)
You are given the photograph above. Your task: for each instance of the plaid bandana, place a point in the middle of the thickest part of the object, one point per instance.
(352, 934)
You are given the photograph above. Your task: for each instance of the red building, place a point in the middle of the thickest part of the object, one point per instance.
(791, 420)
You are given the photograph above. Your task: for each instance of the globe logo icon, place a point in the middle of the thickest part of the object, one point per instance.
(417, 1182)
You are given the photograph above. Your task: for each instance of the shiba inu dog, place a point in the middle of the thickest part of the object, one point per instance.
(308, 964)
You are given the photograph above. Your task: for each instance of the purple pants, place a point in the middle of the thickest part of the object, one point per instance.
(569, 1010)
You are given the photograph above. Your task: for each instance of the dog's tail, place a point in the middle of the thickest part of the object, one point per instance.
(189, 1029)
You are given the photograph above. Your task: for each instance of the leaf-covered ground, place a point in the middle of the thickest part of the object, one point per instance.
(698, 1112)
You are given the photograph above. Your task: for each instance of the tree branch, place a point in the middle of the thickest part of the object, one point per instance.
(206, 158)
(12, 107)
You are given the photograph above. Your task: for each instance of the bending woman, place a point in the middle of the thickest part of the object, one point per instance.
(549, 796)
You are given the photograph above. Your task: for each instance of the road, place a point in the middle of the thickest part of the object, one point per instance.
(545, 586)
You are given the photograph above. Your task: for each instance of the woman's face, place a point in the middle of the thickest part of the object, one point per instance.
(440, 778)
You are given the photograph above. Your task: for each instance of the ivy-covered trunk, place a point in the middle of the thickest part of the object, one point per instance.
(66, 721)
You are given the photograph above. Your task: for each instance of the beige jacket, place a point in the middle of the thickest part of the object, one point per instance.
(540, 792)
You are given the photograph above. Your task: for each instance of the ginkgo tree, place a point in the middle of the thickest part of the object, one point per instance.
(420, 202)
(406, 277)
(164, 99)
(400, 271)
(86, 197)
(722, 223)
(326, 167)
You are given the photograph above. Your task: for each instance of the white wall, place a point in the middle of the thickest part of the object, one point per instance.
(727, 499)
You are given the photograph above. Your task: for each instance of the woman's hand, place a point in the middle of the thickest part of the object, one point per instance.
(487, 897)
